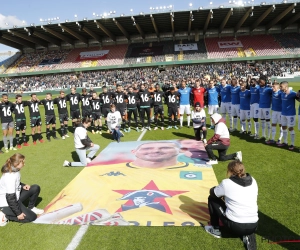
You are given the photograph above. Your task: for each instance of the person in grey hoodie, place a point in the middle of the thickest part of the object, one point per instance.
(220, 141)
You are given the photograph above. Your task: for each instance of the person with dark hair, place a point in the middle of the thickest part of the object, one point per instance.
(6, 109)
(74, 99)
(13, 192)
(83, 144)
(234, 202)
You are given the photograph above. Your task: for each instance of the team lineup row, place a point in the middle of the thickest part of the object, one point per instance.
(234, 99)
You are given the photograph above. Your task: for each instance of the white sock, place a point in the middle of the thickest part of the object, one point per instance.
(292, 134)
(189, 120)
(273, 132)
(234, 123)
(280, 135)
(263, 128)
(224, 116)
(181, 120)
(249, 126)
(243, 125)
(211, 123)
(284, 135)
(230, 121)
(256, 128)
(268, 129)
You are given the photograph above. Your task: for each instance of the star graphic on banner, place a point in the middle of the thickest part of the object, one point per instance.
(150, 196)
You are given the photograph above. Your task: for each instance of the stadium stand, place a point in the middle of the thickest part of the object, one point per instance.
(290, 42)
(7, 58)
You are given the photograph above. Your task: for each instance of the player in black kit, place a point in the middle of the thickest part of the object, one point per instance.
(158, 96)
(119, 97)
(96, 114)
(145, 99)
(35, 119)
(6, 109)
(132, 98)
(172, 97)
(74, 99)
(86, 108)
(106, 100)
(61, 103)
(49, 116)
(20, 121)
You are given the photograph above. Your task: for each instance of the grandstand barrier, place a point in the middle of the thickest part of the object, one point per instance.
(154, 64)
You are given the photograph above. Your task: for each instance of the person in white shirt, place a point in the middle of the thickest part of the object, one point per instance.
(114, 120)
(220, 141)
(199, 122)
(234, 202)
(83, 144)
(13, 192)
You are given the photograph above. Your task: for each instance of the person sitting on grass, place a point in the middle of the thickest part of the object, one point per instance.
(234, 202)
(114, 121)
(83, 144)
(220, 141)
(13, 192)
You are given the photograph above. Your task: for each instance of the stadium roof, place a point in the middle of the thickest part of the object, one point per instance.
(190, 24)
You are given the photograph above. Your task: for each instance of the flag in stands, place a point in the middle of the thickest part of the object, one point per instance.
(230, 44)
(92, 55)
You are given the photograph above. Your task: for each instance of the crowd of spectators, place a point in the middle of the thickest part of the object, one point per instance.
(126, 76)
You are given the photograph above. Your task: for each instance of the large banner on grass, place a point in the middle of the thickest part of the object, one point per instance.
(149, 183)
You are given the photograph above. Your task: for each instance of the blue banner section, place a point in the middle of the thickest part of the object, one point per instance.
(50, 61)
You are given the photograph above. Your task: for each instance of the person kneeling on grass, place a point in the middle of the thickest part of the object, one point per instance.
(83, 144)
(220, 141)
(114, 121)
(13, 192)
(239, 212)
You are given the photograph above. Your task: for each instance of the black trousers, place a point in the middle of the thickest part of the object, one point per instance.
(32, 194)
(129, 114)
(198, 132)
(217, 210)
(222, 149)
(144, 111)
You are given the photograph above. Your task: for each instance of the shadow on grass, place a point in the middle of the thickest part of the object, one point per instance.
(184, 135)
(269, 230)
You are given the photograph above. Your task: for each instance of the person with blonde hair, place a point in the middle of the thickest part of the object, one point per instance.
(234, 202)
(13, 192)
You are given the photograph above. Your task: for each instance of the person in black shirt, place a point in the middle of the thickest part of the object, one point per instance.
(20, 121)
(145, 99)
(7, 122)
(86, 104)
(61, 103)
(35, 119)
(96, 114)
(49, 116)
(172, 97)
(74, 99)
(132, 98)
(106, 100)
(157, 96)
(119, 97)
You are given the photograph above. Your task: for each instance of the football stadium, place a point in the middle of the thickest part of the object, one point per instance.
(172, 126)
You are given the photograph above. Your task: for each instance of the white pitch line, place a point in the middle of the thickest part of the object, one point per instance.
(83, 229)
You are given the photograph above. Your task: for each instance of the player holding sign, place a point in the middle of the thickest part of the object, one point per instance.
(96, 114)
(74, 99)
(7, 122)
(35, 119)
(61, 102)
(145, 100)
(172, 97)
(49, 116)
(157, 96)
(132, 98)
(20, 120)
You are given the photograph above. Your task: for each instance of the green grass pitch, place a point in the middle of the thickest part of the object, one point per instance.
(276, 170)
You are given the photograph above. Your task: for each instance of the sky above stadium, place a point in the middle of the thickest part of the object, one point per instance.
(23, 13)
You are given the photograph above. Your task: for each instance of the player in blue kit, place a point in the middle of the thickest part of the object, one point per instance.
(245, 96)
(288, 114)
(265, 99)
(235, 103)
(213, 103)
(225, 92)
(254, 105)
(276, 113)
(184, 103)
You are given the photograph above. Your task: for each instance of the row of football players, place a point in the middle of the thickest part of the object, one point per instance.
(268, 106)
